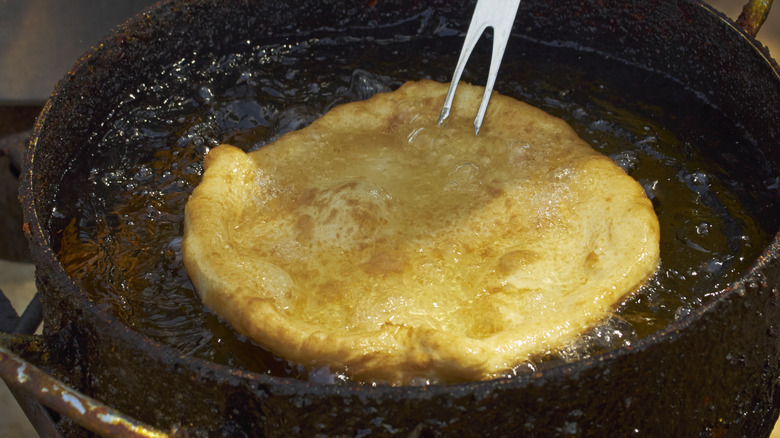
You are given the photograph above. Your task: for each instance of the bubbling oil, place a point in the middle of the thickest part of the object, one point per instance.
(121, 237)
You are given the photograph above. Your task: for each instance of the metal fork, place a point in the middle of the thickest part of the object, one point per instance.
(500, 15)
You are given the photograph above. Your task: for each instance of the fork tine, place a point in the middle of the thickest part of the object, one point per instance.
(500, 37)
(475, 30)
(500, 15)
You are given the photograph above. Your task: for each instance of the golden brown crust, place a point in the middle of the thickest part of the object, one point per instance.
(375, 241)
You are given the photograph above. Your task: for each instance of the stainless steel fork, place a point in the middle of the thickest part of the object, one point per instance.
(500, 15)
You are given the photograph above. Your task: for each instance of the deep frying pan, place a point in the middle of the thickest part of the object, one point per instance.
(713, 372)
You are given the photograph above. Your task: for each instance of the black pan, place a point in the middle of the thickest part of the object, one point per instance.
(712, 371)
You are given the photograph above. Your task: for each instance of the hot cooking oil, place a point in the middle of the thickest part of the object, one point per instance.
(122, 234)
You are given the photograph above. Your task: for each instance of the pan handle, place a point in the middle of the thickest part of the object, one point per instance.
(754, 15)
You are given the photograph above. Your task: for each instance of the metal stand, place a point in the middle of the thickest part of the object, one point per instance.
(10, 322)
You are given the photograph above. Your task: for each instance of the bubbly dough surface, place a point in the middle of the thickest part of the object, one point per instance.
(376, 242)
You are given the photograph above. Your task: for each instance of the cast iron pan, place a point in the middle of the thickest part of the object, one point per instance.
(713, 372)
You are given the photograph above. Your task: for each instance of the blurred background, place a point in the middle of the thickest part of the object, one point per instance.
(39, 41)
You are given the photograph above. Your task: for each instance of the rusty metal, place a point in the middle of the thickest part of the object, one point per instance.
(96, 417)
(753, 16)
(10, 322)
(33, 387)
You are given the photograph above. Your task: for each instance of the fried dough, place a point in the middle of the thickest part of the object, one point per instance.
(377, 243)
